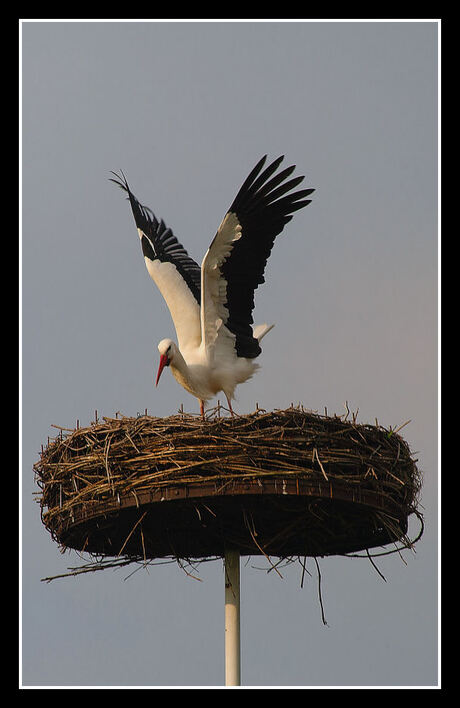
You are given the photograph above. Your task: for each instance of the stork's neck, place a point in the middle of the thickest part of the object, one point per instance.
(177, 361)
(180, 370)
(192, 372)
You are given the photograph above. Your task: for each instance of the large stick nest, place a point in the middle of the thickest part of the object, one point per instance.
(284, 483)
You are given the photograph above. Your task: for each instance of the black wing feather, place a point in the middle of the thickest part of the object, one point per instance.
(262, 211)
(159, 241)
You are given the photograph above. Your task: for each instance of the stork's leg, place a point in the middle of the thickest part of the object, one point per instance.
(230, 406)
(202, 408)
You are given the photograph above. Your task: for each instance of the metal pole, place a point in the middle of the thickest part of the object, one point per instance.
(232, 618)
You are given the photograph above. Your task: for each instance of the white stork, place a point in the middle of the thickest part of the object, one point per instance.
(211, 307)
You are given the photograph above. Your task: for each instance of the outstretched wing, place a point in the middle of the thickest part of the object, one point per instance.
(234, 264)
(176, 274)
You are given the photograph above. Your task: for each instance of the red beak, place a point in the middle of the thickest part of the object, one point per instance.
(163, 362)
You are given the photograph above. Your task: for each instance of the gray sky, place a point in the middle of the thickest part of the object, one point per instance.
(186, 110)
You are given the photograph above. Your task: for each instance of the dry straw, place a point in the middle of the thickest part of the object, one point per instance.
(287, 483)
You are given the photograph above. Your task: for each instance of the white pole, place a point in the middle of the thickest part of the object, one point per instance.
(232, 618)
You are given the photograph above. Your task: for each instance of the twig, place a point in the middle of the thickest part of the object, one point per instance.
(181, 565)
(372, 563)
(259, 546)
(304, 569)
(319, 592)
(315, 452)
(131, 532)
(91, 569)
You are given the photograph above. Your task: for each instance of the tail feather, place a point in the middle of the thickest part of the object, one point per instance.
(261, 330)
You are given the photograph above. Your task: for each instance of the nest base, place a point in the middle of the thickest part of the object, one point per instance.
(255, 524)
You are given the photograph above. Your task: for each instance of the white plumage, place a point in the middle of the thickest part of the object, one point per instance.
(211, 306)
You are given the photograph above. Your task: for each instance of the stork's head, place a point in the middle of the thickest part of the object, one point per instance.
(166, 348)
